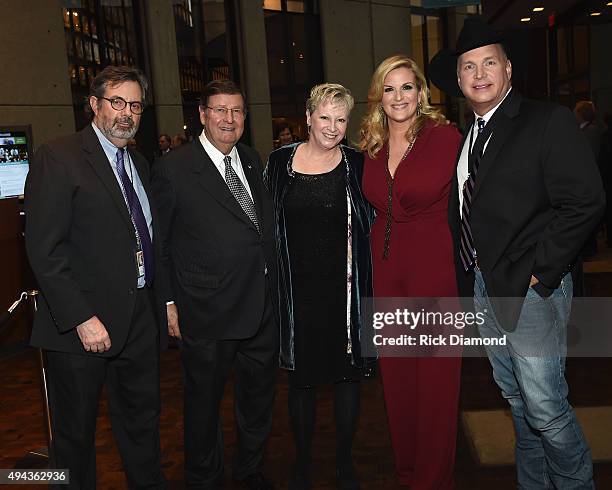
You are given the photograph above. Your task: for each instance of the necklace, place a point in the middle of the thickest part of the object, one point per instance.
(390, 180)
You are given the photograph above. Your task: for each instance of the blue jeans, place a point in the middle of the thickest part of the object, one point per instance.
(551, 451)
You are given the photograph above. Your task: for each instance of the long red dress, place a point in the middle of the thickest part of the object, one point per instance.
(421, 394)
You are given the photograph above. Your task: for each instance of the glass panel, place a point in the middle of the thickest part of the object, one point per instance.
(272, 4)
(76, 20)
(119, 41)
(96, 53)
(69, 43)
(109, 34)
(87, 51)
(90, 74)
(277, 60)
(82, 76)
(434, 44)
(72, 70)
(561, 51)
(295, 6)
(581, 48)
(216, 48)
(417, 22)
(66, 14)
(79, 47)
(434, 36)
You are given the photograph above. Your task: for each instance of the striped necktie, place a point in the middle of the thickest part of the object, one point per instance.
(467, 251)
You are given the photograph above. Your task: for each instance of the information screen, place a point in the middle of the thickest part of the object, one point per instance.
(14, 162)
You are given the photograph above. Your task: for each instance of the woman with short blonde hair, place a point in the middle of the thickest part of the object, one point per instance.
(408, 172)
(322, 227)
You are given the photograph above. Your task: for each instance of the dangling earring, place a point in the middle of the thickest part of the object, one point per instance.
(308, 128)
(419, 110)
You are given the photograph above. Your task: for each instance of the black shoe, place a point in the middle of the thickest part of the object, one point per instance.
(257, 481)
(347, 478)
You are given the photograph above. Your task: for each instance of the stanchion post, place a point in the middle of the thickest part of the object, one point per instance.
(42, 363)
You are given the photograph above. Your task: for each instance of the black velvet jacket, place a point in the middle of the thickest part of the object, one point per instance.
(277, 177)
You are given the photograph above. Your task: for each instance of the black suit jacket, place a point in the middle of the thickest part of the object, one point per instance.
(81, 243)
(538, 196)
(214, 257)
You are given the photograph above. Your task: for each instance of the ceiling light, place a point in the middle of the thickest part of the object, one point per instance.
(538, 9)
(609, 4)
(595, 14)
(525, 19)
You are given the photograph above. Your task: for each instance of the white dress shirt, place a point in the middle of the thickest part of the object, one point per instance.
(217, 158)
(462, 165)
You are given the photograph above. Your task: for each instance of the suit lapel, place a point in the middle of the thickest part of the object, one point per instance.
(502, 130)
(210, 178)
(95, 156)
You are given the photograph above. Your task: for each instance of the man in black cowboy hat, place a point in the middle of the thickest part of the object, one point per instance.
(526, 198)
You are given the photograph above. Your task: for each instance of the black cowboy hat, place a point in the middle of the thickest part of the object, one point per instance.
(443, 66)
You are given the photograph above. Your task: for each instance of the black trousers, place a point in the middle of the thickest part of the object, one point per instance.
(207, 365)
(132, 383)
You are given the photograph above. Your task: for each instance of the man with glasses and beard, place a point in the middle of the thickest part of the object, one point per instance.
(91, 241)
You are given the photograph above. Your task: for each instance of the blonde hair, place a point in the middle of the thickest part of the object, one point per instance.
(374, 129)
(329, 92)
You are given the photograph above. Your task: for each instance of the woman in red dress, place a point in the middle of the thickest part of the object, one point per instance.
(409, 167)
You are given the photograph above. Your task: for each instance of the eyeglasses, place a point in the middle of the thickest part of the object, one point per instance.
(222, 111)
(119, 104)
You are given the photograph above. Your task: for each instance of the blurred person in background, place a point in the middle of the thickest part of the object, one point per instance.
(163, 144)
(178, 140)
(284, 135)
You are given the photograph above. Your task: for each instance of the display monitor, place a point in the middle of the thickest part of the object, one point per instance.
(15, 155)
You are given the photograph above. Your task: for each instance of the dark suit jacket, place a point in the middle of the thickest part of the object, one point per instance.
(538, 196)
(81, 243)
(213, 255)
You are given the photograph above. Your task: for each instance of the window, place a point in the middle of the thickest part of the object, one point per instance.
(427, 30)
(570, 71)
(293, 38)
(97, 33)
(205, 50)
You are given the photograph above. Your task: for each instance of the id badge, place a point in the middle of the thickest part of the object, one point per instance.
(140, 263)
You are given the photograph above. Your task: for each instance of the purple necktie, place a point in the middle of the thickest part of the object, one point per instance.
(138, 218)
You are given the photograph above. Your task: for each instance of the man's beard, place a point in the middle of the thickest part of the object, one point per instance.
(114, 131)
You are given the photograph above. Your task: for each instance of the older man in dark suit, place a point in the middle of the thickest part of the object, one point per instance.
(219, 256)
(90, 237)
(526, 198)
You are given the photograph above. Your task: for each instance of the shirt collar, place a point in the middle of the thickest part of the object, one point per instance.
(215, 155)
(489, 114)
(110, 150)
